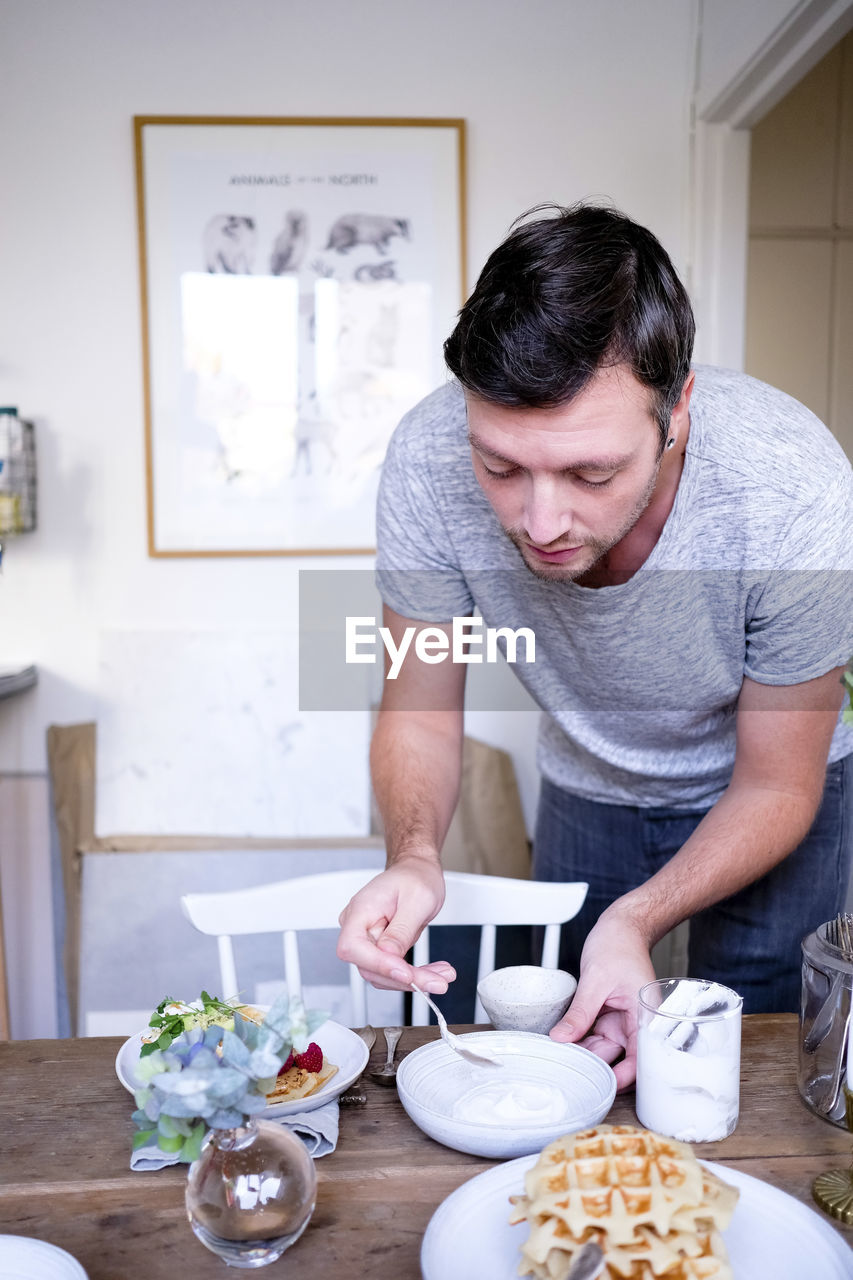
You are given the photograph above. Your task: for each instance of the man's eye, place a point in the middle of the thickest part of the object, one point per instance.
(499, 475)
(595, 484)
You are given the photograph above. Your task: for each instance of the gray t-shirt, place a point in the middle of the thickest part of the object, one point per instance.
(752, 576)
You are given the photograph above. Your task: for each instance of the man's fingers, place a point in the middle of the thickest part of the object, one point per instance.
(376, 931)
(575, 1024)
(434, 978)
(368, 958)
(603, 1047)
(625, 1072)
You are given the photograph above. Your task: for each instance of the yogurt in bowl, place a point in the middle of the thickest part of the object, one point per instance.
(543, 1090)
(522, 1102)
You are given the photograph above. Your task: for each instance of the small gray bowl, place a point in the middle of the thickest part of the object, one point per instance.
(526, 997)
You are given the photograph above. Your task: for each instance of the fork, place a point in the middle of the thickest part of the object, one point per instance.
(839, 933)
(587, 1263)
(454, 1041)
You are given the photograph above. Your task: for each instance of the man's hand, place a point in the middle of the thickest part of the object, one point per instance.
(385, 918)
(615, 963)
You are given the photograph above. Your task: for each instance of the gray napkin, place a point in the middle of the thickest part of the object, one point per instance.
(318, 1129)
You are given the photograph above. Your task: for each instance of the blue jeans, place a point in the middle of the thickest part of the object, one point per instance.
(750, 941)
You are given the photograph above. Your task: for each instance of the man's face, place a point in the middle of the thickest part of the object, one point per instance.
(567, 484)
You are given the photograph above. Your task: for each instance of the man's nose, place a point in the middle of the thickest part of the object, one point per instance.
(547, 512)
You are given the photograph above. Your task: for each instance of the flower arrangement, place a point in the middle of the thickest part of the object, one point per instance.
(847, 680)
(210, 1077)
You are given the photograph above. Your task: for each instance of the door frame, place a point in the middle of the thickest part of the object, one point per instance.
(719, 230)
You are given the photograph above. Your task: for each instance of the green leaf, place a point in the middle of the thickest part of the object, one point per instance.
(143, 1138)
(168, 1128)
(170, 1144)
(192, 1146)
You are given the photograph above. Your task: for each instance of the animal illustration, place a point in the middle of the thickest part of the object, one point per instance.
(382, 336)
(369, 272)
(313, 428)
(352, 229)
(289, 246)
(229, 244)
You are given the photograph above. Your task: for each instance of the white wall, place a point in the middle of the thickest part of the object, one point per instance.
(563, 100)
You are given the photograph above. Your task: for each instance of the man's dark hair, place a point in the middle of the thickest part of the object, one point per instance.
(565, 295)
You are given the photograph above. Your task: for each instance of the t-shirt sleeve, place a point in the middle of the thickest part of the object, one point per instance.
(801, 622)
(417, 572)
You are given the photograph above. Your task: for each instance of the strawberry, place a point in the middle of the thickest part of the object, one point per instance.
(285, 1066)
(311, 1059)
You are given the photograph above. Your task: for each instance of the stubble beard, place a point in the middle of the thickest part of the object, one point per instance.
(595, 549)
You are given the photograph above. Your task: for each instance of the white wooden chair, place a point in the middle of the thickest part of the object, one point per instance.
(315, 902)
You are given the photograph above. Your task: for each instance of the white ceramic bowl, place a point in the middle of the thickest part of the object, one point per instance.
(526, 997)
(432, 1080)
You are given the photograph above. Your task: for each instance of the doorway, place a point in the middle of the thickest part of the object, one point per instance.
(799, 308)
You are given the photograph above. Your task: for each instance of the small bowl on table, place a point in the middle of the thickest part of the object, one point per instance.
(526, 997)
(564, 1086)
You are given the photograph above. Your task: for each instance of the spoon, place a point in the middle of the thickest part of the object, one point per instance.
(387, 1073)
(367, 1034)
(454, 1041)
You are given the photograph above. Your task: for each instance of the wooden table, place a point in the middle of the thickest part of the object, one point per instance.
(65, 1133)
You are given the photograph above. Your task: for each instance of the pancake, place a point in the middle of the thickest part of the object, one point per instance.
(296, 1082)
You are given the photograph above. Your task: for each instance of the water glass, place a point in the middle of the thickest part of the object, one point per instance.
(688, 1059)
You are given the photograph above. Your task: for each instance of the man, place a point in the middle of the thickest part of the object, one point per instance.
(680, 542)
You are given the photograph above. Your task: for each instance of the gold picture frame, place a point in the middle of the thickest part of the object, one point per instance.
(298, 277)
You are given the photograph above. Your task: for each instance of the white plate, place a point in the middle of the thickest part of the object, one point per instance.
(341, 1046)
(22, 1258)
(772, 1236)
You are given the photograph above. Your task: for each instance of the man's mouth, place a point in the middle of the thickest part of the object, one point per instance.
(562, 556)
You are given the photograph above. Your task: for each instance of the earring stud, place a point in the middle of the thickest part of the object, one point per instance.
(670, 442)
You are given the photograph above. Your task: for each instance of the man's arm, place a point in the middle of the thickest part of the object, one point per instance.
(416, 759)
(783, 739)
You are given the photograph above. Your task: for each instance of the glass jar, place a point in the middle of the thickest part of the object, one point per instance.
(825, 1008)
(251, 1192)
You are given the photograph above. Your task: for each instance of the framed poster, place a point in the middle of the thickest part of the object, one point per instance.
(298, 280)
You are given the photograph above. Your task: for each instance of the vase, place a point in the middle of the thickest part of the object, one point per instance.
(251, 1192)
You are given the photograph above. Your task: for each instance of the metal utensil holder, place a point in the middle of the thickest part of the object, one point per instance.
(825, 1011)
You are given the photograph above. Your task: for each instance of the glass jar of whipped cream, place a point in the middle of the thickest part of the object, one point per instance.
(688, 1059)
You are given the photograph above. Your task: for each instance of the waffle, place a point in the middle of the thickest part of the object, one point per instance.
(643, 1198)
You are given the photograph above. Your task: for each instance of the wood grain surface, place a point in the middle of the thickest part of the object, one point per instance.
(65, 1134)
